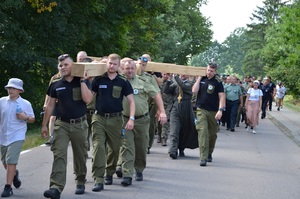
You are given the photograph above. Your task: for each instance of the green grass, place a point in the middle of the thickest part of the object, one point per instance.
(292, 103)
(33, 138)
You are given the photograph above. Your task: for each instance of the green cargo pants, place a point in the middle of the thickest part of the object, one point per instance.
(153, 123)
(134, 148)
(105, 132)
(207, 128)
(64, 133)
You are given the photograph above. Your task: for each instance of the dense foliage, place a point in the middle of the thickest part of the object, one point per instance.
(268, 46)
(33, 33)
(282, 49)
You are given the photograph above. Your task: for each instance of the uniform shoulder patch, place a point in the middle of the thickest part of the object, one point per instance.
(56, 80)
(148, 74)
(218, 78)
(56, 76)
(98, 77)
(142, 78)
(122, 77)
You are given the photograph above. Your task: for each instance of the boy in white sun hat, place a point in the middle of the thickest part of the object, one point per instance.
(15, 113)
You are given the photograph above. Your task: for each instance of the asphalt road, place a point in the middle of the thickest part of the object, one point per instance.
(245, 165)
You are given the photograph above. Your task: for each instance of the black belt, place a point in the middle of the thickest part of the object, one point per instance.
(232, 100)
(138, 117)
(73, 121)
(108, 115)
(185, 99)
(91, 112)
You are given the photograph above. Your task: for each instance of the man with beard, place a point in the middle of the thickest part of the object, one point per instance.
(110, 88)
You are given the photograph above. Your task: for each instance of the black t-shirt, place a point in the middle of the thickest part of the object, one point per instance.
(208, 94)
(70, 103)
(110, 93)
(268, 89)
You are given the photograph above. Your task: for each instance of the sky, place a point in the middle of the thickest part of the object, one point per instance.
(227, 15)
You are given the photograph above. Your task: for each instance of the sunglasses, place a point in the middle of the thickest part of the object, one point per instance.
(63, 57)
(144, 59)
(213, 65)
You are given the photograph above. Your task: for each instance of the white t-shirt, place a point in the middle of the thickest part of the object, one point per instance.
(11, 128)
(254, 94)
(280, 92)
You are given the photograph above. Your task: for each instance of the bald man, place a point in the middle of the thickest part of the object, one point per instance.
(81, 55)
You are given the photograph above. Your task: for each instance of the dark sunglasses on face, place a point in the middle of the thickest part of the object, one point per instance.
(144, 59)
(63, 57)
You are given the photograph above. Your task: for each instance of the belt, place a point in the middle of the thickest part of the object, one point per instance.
(183, 99)
(91, 112)
(108, 115)
(73, 121)
(138, 117)
(232, 100)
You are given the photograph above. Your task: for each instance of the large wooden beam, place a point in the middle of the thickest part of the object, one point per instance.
(96, 69)
(93, 69)
(95, 58)
(177, 69)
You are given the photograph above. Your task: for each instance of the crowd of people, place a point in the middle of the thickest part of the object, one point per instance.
(251, 98)
(117, 114)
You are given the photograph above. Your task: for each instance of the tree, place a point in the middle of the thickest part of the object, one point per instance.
(262, 18)
(187, 32)
(232, 52)
(212, 54)
(282, 49)
(17, 53)
(33, 33)
(228, 55)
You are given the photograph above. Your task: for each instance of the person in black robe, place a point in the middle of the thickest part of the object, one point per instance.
(183, 133)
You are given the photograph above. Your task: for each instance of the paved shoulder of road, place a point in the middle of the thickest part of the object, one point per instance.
(245, 165)
(288, 121)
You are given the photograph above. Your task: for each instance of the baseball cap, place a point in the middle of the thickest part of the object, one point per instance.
(256, 81)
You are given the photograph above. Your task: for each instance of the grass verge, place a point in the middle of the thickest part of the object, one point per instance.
(33, 138)
(292, 103)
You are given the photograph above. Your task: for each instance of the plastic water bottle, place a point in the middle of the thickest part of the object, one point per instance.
(19, 109)
(123, 133)
(51, 139)
(195, 121)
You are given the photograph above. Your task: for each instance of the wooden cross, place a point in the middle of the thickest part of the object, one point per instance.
(97, 69)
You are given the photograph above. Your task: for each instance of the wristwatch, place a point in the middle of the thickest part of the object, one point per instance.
(132, 118)
(222, 109)
(83, 81)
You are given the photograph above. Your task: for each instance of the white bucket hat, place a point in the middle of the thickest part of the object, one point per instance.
(15, 83)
